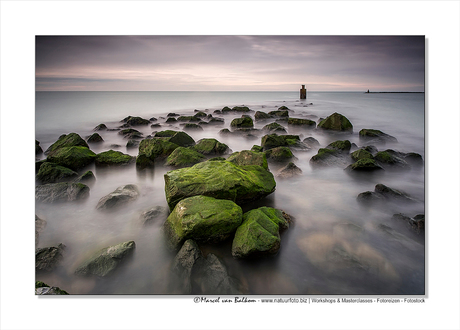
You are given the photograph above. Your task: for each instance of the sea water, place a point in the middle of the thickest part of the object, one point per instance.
(334, 245)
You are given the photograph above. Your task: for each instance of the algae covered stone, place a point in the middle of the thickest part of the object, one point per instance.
(105, 261)
(249, 157)
(279, 154)
(302, 122)
(52, 173)
(367, 133)
(152, 149)
(204, 219)
(75, 157)
(67, 140)
(184, 157)
(61, 192)
(365, 165)
(219, 179)
(113, 158)
(242, 122)
(336, 122)
(210, 147)
(259, 235)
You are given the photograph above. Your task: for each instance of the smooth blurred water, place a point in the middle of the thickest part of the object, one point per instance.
(322, 201)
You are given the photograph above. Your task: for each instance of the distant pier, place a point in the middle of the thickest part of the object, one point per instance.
(303, 93)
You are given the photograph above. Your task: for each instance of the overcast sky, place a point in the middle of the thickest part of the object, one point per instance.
(228, 63)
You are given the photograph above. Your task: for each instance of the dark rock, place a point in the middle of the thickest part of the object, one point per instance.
(182, 139)
(74, 158)
(157, 125)
(69, 140)
(260, 115)
(183, 265)
(53, 173)
(40, 224)
(151, 150)
(242, 122)
(153, 119)
(121, 196)
(105, 261)
(95, 138)
(203, 219)
(184, 157)
(192, 127)
(172, 114)
(247, 157)
(132, 144)
(371, 149)
(157, 214)
(61, 192)
(274, 128)
(113, 158)
(340, 146)
(216, 121)
(273, 140)
(211, 147)
(371, 198)
(86, 178)
(39, 164)
(389, 159)
(361, 154)
(210, 276)
(44, 289)
(301, 122)
(413, 159)
(171, 120)
(200, 114)
(38, 149)
(257, 148)
(336, 122)
(311, 142)
(48, 258)
(279, 154)
(283, 107)
(289, 171)
(137, 121)
(365, 165)
(279, 113)
(100, 127)
(375, 135)
(329, 157)
(391, 193)
(130, 133)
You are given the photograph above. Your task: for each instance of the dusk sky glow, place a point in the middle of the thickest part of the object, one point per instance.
(230, 63)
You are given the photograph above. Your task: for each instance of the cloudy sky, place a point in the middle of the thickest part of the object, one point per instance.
(229, 63)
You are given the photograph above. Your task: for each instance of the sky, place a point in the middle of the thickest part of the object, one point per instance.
(230, 63)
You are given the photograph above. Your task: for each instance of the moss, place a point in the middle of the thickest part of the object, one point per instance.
(64, 141)
(336, 122)
(156, 148)
(279, 154)
(240, 109)
(184, 157)
(182, 139)
(112, 157)
(247, 157)
(275, 127)
(302, 122)
(51, 173)
(342, 146)
(260, 115)
(279, 113)
(137, 121)
(385, 157)
(257, 148)
(203, 219)
(40, 284)
(283, 107)
(166, 133)
(200, 114)
(365, 164)
(95, 138)
(361, 154)
(191, 126)
(242, 122)
(129, 131)
(72, 157)
(100, 127)
(210, 147)
(323, 153)
(226, 109)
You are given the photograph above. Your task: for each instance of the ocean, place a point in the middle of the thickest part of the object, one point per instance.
(335, 245)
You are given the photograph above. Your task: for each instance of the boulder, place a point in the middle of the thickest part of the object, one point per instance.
(40, 224)
(74, 158)
(413, 159)
(183, 265)
(153, 215)
(203, 219)
(336, 122)
(53, 173)
(365, 165)
(279, 113)
(69, 140)
(361, 154)
(244, 122)
(376, 135)
(100, 127)
(383, 194)
(237, 109)
(188, 119)
(328, 157)
(258, 235)
(370, 198)
(289, 171)
(61, 192)
(132, 144)
(274, 140)
(307, 123)
(95, 138)
(119, 197)
(247, 157)
(180, 138)
(392, 194)
(219, 179)
(391, 160)
(48, 258)
(257, 148)
(216, 121)
(192, 127)
(311, 142)
(210, 147)
(137, 121)
(274, 128)
(113, 158)
(340, 146)
(105, 261)
(130, 133)
(210, 277)
(86, 178)
(38, 149)
(279, 154)
(44, 289)
(260, 115)
(184, 157)
(171, 120)
(153, 149)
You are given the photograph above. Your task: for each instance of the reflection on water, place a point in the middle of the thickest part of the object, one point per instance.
(335, 245)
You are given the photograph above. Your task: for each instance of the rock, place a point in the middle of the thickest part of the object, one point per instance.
(40, 224)
(279, 113)
(219, 179)
(184, 157)
(157, 125)
(336, 122)
(340, 146)
(192, 127)
(274, 128)
(48, 258)
(371, 149)
(216, 121)
(39, 164)
(132, 144)
(61, 192)
(279, 154)
(328, 157)
(105, 261)
(258, 235)
(283, 107)
(152, 149)
(247, 157)
(100, 127)
(53, 173)
(130, 133)
(274, 140)
(113, 158)
(74, 158)
(237, 109)
(180, 138)
(210, 147)
(210, 277)
(307, 123)
(260, 115)
(172, 114)
(375, 135)
(203, 219)
(389, 159)
(188, 119)
(200, 114)
(382, 194)
(242, 122)
(413, 159)
(87, 178)
(392, 194)
(171, 120)
(365, 165)
(95, 138)
(119, 197)
(370, 198)
(137, 121)
(289, 171)
(257, 148)
(38, 149)
(44, 289)
(361, 154)
(154, 214)
(69, 140)
(183, 265)
(416, 224)
(311, 142)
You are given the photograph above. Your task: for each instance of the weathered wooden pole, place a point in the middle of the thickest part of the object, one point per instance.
(303, 93)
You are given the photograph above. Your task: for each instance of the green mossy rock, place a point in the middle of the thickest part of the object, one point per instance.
(336, 122)
(137, 121)
(245, 122)
(283, 107)
(340, 146)
(87, 178)
(44, 289)
(113, 158)
(367, 133)
(258, 235)
(182, 139)
(279, 113)
(270, 141)
(389, 158)
(154, 149)
(95, 138)
(361, 154)
(74, 158)
(302, 122)
(100, 127)
(260, 115)
(240, 109)
(219, 179)
(274, 128)
(192, 127)
(184, 157)
(166, 133)
(279, 154)
(130, 133)
(52, 173)
(247, 157)
(105, 261)
(210, 147)
(203, 219)
(48, 258)
(61, 192)
(257, 148)
(69, 140)
(365, 165)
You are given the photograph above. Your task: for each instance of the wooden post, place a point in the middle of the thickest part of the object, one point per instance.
(303, 93)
